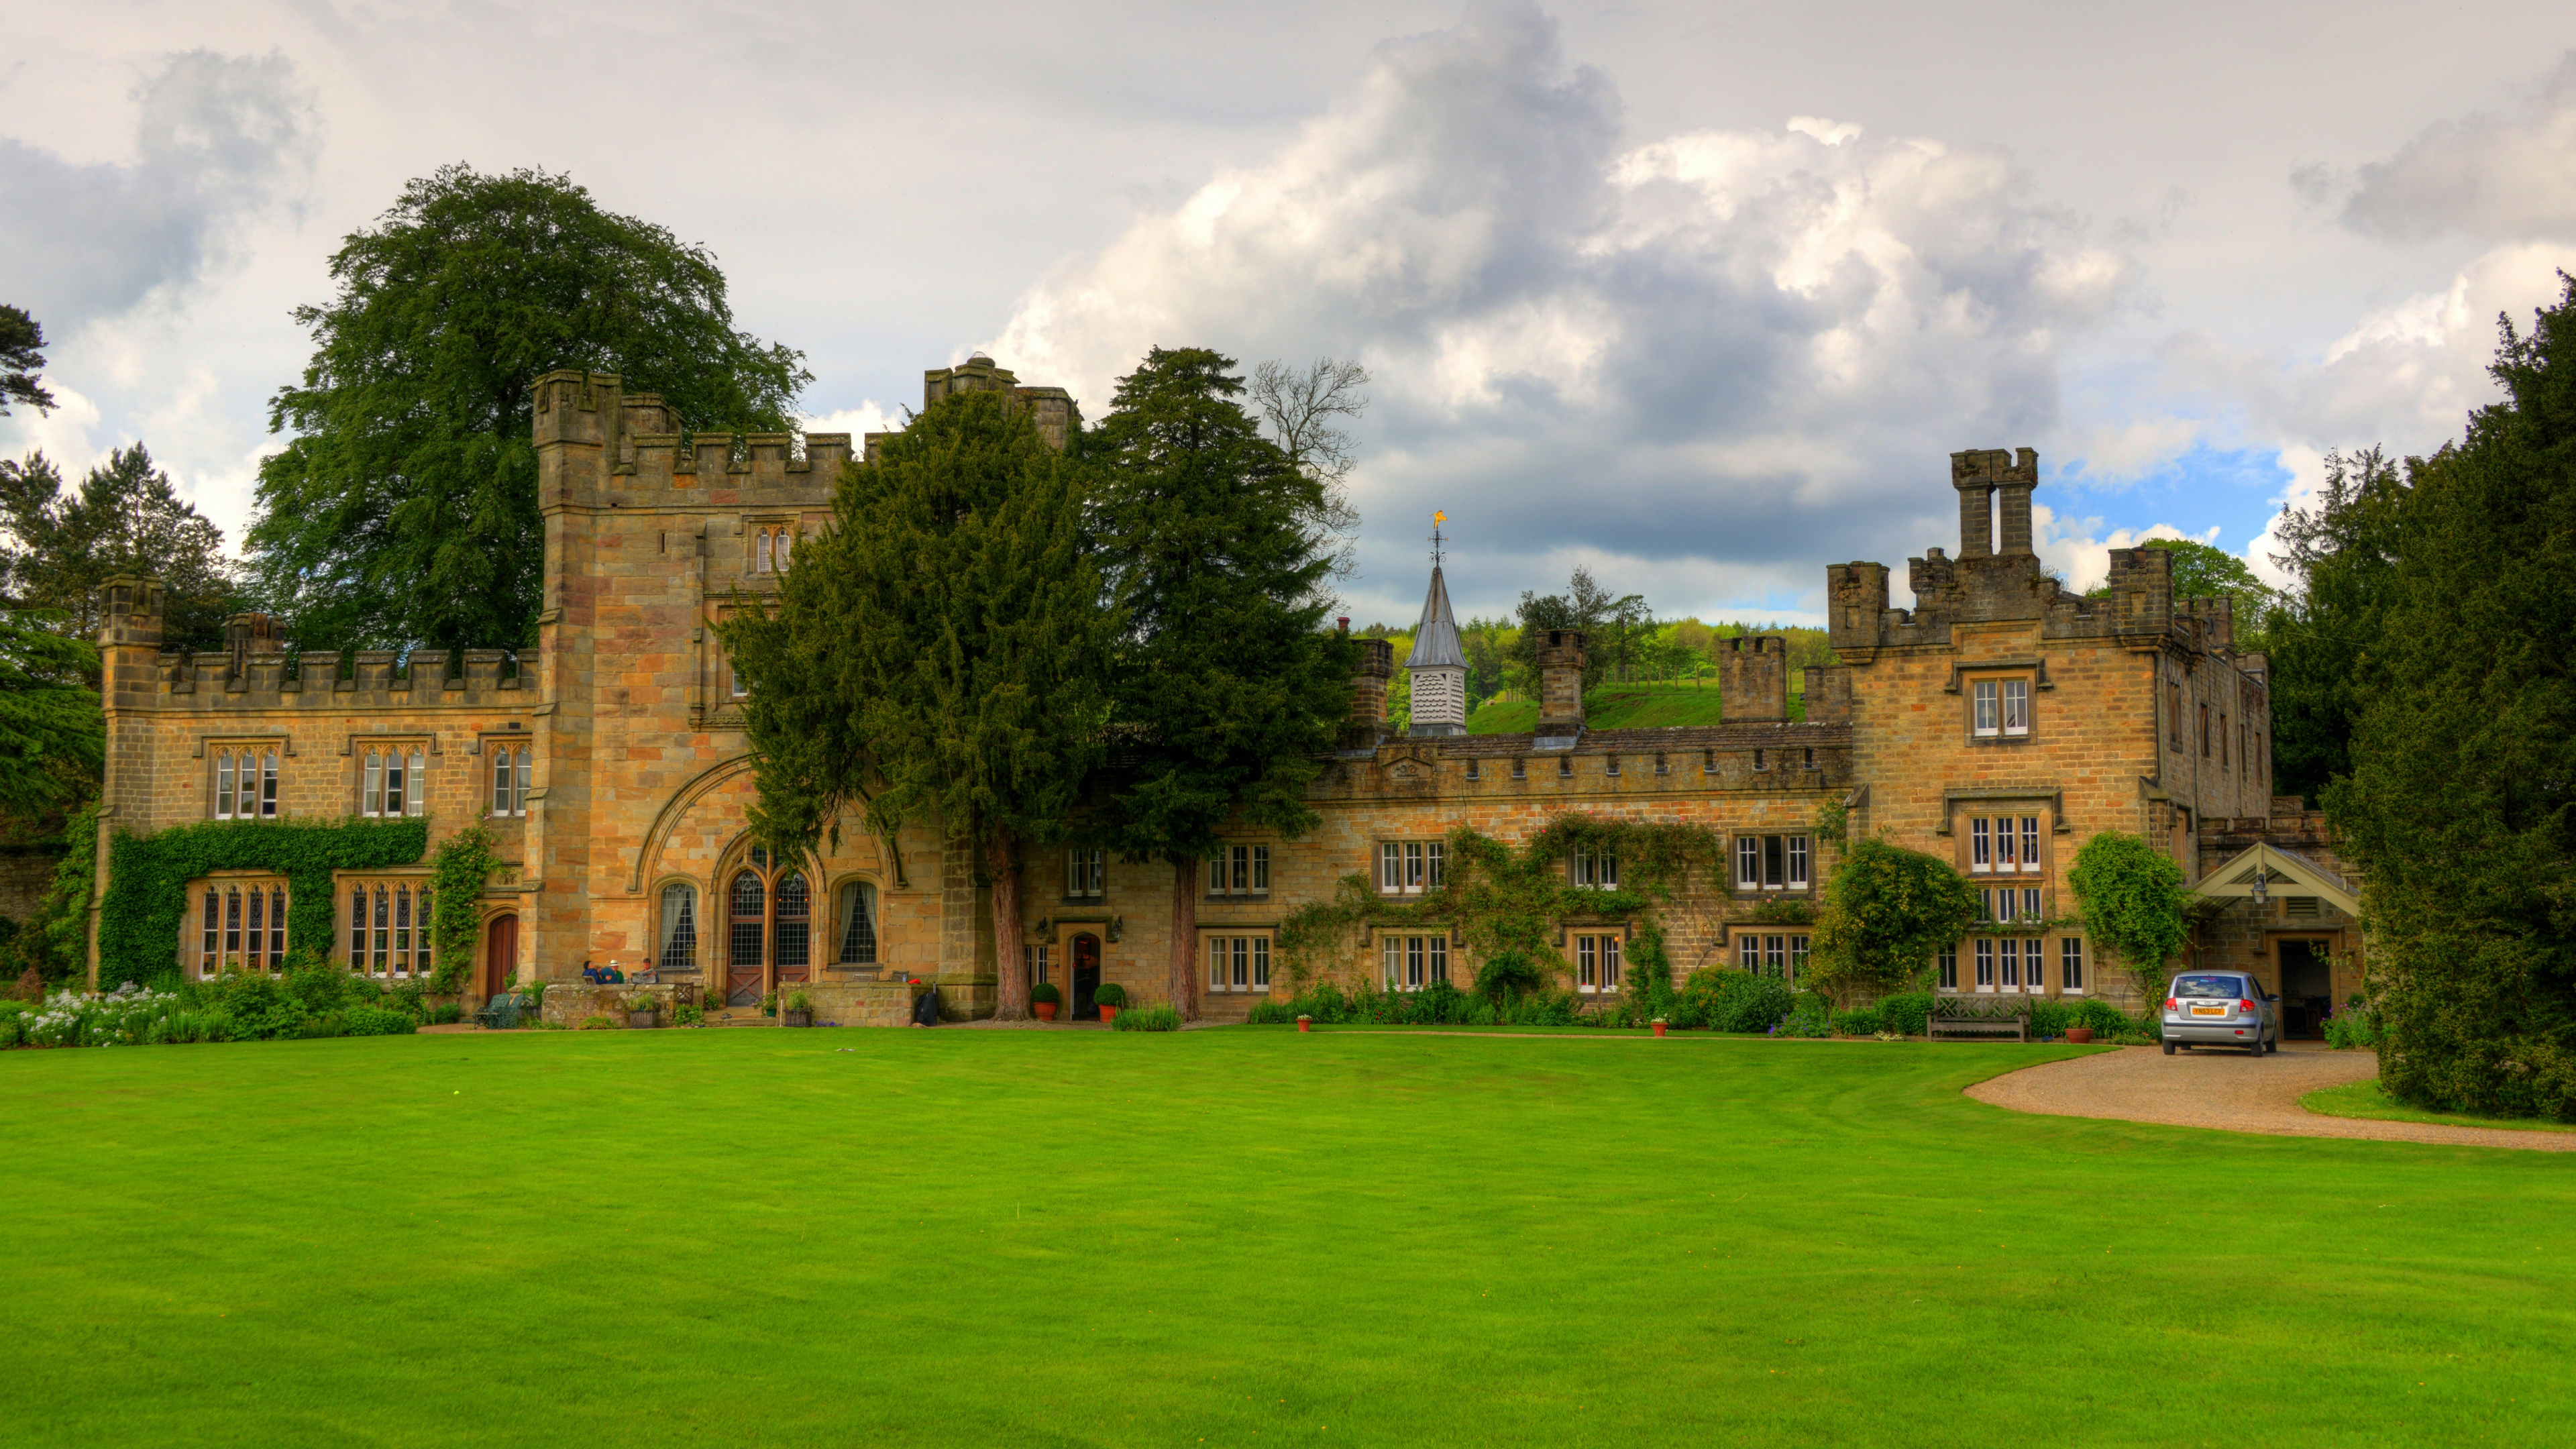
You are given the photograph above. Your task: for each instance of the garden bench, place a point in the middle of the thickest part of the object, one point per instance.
(1966, 1021)
(501, 1013)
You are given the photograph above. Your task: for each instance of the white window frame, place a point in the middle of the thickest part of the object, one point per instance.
(1753, 857)
(1948, 965)
(1985, 963)
(1086, 872)
(2030, 905)
(1981, 857)
(1411, 867)
(1594, 870)
(2034, 965)
(2007, 846)
(2070, 965)
(1239, 870)
(2010, 950)
(2016, 706)
(2030, 843)
(1985, 715)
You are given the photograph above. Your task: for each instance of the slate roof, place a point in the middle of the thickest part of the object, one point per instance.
(1435, 639)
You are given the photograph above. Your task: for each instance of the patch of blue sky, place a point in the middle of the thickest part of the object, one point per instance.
(2235, 490)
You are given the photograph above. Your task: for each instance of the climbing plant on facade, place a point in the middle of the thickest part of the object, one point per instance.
(461, 866)
(2132, 895)
(147, 892)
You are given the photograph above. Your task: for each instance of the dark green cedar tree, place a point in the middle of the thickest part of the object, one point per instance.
(1226, 688)
(403, 509)
(2460, 808)
(937, 652)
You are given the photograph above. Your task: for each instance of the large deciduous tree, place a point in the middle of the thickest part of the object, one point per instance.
(1226, 687)
(126, 518)
(2460, 807)
(938, 650)
(403, 509)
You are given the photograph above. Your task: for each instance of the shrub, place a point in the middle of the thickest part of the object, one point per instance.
(1109, 993)
(2351, 1027)
(1810, 1015)
(1907, 1013)
(1149, 1018)
(1722, 998)
(689, 1015)
(30, 987)
(597, 1023)
(1888, 910)
(448, 1013)
(1044, 991)
(1273, 1013)
(648, 1003)
(799, 1001)
(535, 991)
(1506, 975)
(378, 1021)
(1860, 1021)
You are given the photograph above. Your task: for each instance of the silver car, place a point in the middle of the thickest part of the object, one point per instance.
(2221, 1008)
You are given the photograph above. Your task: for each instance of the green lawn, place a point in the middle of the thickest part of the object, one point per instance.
(2364, 1099)
(1620, 707)
(1239, 1237)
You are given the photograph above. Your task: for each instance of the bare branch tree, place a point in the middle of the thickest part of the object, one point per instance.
(1306, 409)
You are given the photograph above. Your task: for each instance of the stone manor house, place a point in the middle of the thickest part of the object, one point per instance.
(1998, 724)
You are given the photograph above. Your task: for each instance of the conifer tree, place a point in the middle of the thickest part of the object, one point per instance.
(1226, 688)
(2459, 808)
(936, 652)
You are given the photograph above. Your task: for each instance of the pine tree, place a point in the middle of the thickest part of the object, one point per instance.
(126, 518)
(937, 652)
(1226, 687)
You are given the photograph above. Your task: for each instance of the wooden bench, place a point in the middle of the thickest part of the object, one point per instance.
(1961, 1019)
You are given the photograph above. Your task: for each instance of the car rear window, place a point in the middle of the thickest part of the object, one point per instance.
(2209, 988)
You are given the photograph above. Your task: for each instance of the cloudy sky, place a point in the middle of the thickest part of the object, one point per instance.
(1699, 295)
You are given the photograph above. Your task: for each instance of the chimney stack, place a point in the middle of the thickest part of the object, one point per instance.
(1368, 694)
(1560, 672)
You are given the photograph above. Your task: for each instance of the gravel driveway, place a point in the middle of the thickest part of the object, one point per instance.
(2230, 1091)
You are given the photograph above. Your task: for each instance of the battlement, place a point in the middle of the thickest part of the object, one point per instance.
(597, 445)
(268, 678)
(1753, 679)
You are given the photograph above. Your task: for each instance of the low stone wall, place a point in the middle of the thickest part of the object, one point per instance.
(574, 1003)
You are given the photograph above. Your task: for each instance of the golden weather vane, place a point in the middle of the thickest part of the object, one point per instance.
(1437, 518)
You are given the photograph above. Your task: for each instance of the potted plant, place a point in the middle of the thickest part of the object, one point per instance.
(1043, 999)
(2079, 1035)
(1109, 996)
(643, 1009)
(1305, 1022)
(1660, 1024)
(796, 1010)
(769, 1003)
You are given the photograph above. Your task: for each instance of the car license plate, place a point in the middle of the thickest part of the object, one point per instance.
(2209, 1011)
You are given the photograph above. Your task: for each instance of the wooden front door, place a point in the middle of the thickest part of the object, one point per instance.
(500, 954)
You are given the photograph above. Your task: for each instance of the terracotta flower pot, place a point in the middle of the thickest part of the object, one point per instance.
(1305, 1023)
(2079, 1034)
(1045, 1010)
(1108, 1014)
(1659, 1028)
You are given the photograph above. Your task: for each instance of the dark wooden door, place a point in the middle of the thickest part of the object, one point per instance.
(1086, 977)
(500, 954)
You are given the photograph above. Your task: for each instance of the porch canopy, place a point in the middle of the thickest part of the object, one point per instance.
(2284, 874)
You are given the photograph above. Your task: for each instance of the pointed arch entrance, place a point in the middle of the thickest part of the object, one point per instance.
(769, 928)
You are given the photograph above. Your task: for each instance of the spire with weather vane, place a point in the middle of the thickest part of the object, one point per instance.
(1437, 667)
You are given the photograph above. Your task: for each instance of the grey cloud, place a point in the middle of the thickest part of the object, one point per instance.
(1721, 354)
(215, 137)
(2499, 176)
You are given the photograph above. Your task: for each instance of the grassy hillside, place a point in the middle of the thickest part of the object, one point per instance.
(1619, 707)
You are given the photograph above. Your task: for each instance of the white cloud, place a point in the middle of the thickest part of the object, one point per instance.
(1734, 353)
(2500, 174)
(868, 417)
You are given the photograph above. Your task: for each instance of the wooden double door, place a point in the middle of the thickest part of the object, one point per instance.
(769, 931)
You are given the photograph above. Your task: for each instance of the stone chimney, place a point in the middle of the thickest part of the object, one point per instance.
(1983, 477)
(1560, 673)
(1753, 680)
(1368, 693)
(246, 635)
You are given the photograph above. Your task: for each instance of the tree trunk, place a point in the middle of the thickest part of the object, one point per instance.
(1185, 938)
(1002, 863)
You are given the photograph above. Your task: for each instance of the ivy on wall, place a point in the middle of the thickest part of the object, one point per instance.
(1510, 902)
(459, 871)
(147, 892)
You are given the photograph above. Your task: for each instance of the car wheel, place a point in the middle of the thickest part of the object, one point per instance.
(2168, 1048)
